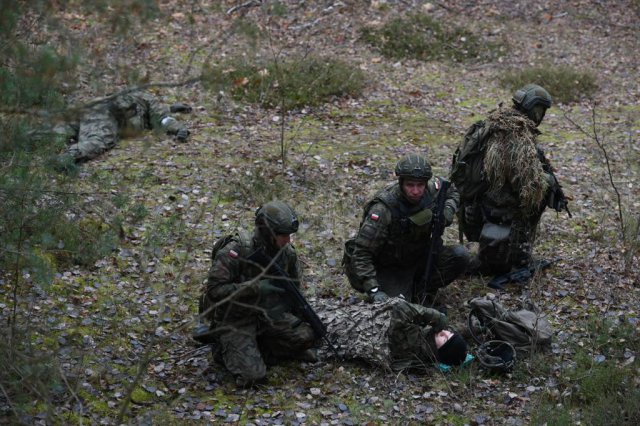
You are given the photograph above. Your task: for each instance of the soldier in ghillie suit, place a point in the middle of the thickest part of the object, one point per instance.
(388, 255)
(394, 335)
(250, 321)
(505, 182)
(102, 125)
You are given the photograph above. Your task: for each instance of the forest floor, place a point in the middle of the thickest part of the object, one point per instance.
(130, 315)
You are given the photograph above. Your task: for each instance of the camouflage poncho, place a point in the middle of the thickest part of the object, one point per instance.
(393, 335)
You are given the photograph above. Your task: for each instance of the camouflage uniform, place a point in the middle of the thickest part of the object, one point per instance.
(248, 325)
(497, 215)
(394, 335)
(390, 249)
(104, 123)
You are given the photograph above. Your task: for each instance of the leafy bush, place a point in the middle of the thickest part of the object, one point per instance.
(564, 83)
(27, 377)
(294, 83)
(421, 37)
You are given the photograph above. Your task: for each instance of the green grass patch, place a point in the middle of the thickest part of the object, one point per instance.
(292, 83)
(418, 36)
(601, 387)
(564, 83)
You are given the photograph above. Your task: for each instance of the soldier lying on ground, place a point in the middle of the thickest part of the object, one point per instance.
(394, 335)
(101, 126)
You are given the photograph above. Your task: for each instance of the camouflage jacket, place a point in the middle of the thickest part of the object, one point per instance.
(394, 335)
(395, 233)
(140, 111)
(232, 279)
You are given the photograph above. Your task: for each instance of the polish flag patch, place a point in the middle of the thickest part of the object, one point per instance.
(233, 253)
(374, 217)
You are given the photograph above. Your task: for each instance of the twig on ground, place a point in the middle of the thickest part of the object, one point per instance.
(600, 143)
(245, 5)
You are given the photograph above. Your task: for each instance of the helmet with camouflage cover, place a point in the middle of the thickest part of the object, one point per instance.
(532, 100)
(497, 355)
(278, 217)
(414, 166)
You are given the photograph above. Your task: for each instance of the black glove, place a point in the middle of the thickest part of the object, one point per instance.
(378, 296)
(182, 135)
(180, 107)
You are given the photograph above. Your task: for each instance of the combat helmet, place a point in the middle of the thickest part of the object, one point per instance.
(530, 96)
(533, 100)
(497, 355)
(277, 217)
(414, 166)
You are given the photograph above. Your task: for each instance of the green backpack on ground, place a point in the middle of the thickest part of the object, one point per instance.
(526, 330)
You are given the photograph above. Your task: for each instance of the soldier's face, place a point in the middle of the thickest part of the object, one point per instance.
(282, 240)
(413, 189)
(442, 337)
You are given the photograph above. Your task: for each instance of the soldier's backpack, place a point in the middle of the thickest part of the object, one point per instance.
(241, 236)
(524, 329)
(245, 241)
(466, 166)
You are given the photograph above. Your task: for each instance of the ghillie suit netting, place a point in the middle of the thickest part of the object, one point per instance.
(511, 158)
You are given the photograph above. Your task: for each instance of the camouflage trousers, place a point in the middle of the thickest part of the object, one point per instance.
(498, 257)
(406, 280)
(245, 347)
(514, 253)
(98, 132)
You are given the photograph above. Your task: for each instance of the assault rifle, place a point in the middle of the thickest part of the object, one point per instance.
(559, 201)
(438, 223)
(292, 294)
(521, 275)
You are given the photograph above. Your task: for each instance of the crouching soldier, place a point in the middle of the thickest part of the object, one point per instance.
(250, 319)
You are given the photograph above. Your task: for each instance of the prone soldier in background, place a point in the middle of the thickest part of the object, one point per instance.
(105, 122)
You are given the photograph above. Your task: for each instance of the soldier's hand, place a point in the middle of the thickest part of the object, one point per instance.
(440, 323)
(180, 107)
(378, 296)
(448, 215)
(182, 135)
(265, 288)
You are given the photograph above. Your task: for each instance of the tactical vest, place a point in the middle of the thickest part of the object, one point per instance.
(410, 228)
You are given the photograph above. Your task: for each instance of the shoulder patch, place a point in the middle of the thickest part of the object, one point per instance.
(233, 254)
(374, 217)
(436, 183)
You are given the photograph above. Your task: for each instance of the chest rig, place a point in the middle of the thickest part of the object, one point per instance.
(410, 227)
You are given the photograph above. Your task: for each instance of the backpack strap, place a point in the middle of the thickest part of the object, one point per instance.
(242, 237)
